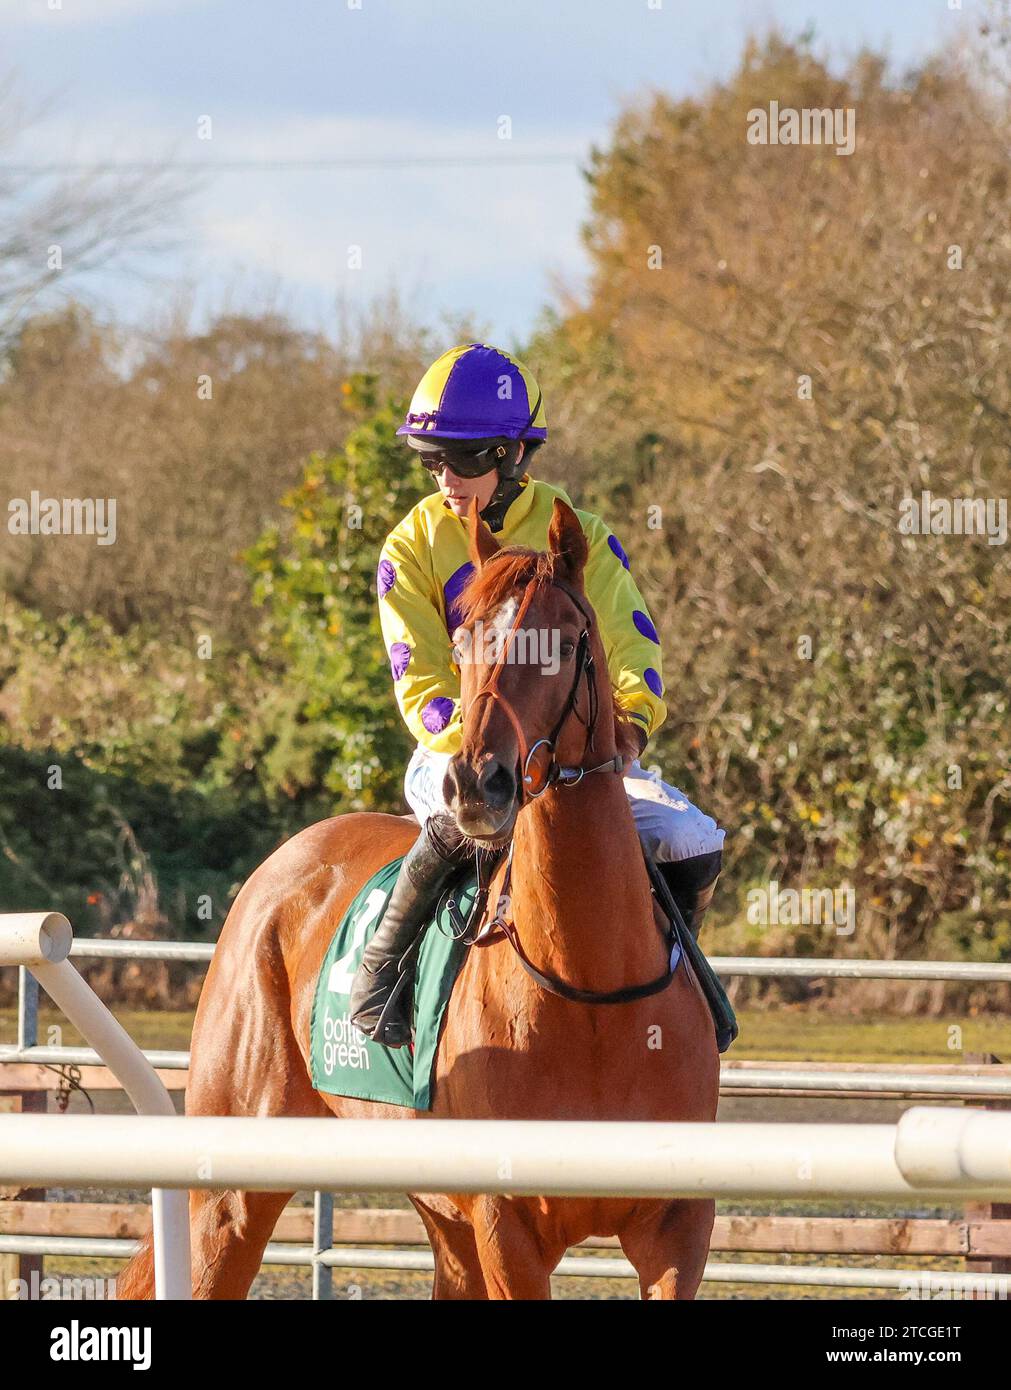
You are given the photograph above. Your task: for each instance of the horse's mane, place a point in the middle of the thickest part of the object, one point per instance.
(512, 568)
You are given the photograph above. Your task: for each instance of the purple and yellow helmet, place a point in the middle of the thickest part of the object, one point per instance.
(477, 392)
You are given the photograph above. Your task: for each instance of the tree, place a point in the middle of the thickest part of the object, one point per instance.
(784, 347)
(330, 720)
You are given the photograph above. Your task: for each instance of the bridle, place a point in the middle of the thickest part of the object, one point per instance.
(556, 774)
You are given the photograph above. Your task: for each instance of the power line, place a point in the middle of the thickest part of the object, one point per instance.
(238, 166)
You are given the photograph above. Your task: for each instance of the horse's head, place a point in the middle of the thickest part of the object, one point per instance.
(536, 696)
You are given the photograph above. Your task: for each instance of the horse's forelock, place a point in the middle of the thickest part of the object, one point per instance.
(511, 569)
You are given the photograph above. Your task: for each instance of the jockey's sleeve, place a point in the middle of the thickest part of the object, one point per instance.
(426, 684)
(634, 659)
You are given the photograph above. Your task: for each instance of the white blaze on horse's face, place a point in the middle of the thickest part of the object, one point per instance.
(483, 796)
(499, 639)
(498, 627)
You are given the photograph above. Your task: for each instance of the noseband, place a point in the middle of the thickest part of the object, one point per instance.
(564, 776)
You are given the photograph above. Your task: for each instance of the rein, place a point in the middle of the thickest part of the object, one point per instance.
(556, 774)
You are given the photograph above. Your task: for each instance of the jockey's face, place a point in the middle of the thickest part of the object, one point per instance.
(459, 492)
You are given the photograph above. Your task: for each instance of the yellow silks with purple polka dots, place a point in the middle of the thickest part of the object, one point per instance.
(422, 572)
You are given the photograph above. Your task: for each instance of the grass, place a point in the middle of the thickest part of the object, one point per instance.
(812, 1035)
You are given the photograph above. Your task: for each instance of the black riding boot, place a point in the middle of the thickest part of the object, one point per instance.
(692, 883)
(383, 991)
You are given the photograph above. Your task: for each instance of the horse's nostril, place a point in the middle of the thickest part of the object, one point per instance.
(452, 786)
(498, 785)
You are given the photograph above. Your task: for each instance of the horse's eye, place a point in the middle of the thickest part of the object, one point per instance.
(567, 648)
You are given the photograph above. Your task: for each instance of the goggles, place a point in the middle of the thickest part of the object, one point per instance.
(464, 465)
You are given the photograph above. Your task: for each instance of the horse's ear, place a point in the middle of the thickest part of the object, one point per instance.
(483, 544)
(567, 540)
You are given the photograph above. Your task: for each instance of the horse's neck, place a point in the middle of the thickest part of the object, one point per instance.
(581, 900)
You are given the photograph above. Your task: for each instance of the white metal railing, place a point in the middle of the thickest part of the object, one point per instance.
(734, 1078)
(832, 968)
(792, 967)
(938, 1283)
(929, 1155)
(40, 942)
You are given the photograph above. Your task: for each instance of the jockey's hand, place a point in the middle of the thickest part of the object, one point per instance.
(641, 739)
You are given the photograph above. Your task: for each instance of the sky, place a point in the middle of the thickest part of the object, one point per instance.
(401, 103)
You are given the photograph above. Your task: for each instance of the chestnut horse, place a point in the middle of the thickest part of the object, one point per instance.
(582, 913)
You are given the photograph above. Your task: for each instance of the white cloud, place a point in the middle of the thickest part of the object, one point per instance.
(447, 222)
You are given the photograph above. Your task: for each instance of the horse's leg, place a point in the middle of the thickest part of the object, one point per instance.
(457, 1267)
(245, 1060)
(229, 1232)
(515, 1260)
(669, 1246)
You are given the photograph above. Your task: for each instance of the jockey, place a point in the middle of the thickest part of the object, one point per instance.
(476, 419)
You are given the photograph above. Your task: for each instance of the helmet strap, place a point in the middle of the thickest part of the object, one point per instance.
(510, 465)
(494, 514)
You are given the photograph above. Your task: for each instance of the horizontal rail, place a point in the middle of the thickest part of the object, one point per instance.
(831, 967)
(592, 1266)
(769, 967)
(102, 948)
(940, 1146)
(895, 1236)
(735, 1077)
(570, 1266)
(550, 1158)
(165, 1060)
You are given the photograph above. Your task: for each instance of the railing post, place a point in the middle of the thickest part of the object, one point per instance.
(987, 1211)
(21, 1267)
(28, 1008)
(42, 941)
(322, 1240)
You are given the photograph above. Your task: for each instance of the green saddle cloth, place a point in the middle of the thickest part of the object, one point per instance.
(344, 1061)
(347, 1063)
